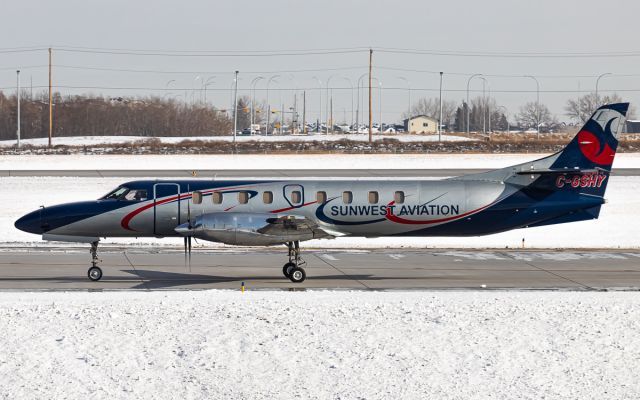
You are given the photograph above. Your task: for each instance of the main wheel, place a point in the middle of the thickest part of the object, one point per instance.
(94, 273)
(286, 270)
(297, 275)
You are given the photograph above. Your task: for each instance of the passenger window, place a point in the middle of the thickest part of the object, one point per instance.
(216, 197)
(373, 197)
(398, 197)
(347, 197)
(267, 197)
(296, 197)
(243, 197)
(196, 197)
(321, 197)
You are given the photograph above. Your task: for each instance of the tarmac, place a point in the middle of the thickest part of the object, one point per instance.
(65, 268)
(266, 173)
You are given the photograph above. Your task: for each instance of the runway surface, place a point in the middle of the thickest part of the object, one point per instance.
(65, 269)
(266, 173)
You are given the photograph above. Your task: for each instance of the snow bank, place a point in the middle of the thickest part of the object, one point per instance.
(319, 345)
(109, 140)
(282, 162)
(617, 227)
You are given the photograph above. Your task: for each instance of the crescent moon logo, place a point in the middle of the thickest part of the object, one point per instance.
(592, 148)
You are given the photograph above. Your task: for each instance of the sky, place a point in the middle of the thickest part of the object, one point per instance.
(475, 31)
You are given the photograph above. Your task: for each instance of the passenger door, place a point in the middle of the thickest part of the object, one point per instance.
(166, 208)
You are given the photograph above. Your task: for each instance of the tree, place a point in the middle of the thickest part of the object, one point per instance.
(534, 115)
(580, 109)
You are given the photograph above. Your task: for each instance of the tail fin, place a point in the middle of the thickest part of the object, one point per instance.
(594, 147)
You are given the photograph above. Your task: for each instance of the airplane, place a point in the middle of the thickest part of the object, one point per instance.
(567, 186)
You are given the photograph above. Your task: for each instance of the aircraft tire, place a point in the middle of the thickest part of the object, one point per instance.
(297, 275)
(94, 273)
(286, 270)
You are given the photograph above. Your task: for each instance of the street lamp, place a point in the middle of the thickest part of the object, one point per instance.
(252, 93)
(350, 84)
(380, 103)
(440, 117)
(193, 93)
(266, 129)
(327, 100)
(319, 103)
(598, 81)
(206, 84)
(409, 92)
(468, 105)
(18, 104)
(235, 107)
(358, 108)
(538, 103)
(484, 105)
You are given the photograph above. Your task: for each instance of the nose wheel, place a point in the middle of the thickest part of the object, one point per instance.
(293, 269)
(94, 273)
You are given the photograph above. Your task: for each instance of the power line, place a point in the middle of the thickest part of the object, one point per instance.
(152, 71)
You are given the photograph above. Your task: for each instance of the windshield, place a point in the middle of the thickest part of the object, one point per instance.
(124, 193)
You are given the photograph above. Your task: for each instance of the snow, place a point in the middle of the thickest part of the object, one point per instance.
(617, 227)
(320, 345)
(281, 162)
(110, 140)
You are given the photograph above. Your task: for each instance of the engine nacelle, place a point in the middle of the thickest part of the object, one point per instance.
(242, 229)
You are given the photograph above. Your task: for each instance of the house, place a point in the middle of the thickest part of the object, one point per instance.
(421, 124)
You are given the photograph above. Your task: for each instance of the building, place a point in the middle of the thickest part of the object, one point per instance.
(421, 124)
(633, 126)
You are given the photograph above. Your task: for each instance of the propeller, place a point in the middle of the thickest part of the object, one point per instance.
(187, 239)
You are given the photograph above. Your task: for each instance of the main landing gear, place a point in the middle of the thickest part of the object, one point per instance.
(293, 269)
(94, 273)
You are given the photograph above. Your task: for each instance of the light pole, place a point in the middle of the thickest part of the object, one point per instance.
(350, 84)
(380, 103)
(327, 100)
(206, 84)
(252, 93)
(409, 92)
(319, 103)
(358, 107)
(193, 93)
(537, 104)
(440, 117)
(235, 107)
(468, 105)
(597, 82)
(484, 105)
(18, 104)
(266, 129)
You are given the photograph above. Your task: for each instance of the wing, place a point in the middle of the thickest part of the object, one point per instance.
(292, 225)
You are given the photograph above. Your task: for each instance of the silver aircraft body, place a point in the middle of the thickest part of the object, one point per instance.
(565, 187)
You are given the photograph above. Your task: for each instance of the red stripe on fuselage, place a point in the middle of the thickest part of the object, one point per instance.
(399, 220)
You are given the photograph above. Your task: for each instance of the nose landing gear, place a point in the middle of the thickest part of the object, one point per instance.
(293, 269)
(94, 273)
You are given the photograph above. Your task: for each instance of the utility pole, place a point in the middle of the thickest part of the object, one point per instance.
(370, 111)
(440, 118)
(235, 107)
(18, 103)
(304, 112)
(331, 113)
(50, 102)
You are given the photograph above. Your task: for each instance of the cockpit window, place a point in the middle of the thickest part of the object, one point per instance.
(116, 194)
(124, 193)
(136, 195)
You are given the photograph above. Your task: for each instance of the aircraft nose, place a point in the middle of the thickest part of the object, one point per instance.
(30, 223)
